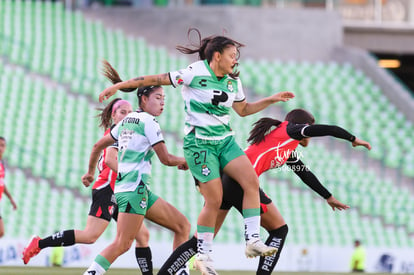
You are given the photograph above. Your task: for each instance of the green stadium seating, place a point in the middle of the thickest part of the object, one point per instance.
(54, 128)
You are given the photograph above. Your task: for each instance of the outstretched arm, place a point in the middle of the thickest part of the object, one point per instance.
(318, 130)
(130, 85)
(243, 108)
(312, 181)
(137, 82)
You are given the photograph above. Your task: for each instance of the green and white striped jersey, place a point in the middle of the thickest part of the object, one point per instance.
(208, 100)
(136, 134)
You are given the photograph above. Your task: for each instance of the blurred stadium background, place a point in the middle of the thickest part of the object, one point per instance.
(349, 62)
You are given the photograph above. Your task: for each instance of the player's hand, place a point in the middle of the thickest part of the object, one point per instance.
(183, 166)
(107, 93)
(14, 205)
(283, 96)
(87, 179)
(335, 204)
(360, 142)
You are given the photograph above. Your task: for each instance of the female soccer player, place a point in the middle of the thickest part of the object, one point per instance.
(271, 148)
(3, 187)
(103, 205)
(210, 88)
(103, 202)
(138, 136)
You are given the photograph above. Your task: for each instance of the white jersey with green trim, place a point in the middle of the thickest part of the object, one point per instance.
(136, 134)
(208, 100)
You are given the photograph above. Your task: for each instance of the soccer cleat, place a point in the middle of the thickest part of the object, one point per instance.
(255, 247)
(31, 250)
(204, 263)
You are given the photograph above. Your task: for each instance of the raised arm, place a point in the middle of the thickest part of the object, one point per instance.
(129, 85)
(137, 82)
(244, 108)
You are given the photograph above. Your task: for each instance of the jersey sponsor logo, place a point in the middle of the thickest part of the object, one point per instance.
(92, 272)
(133, 120)
(124, 138)
(219, 96)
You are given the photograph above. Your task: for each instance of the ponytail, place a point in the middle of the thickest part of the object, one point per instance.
(112, 75)
(261, 129)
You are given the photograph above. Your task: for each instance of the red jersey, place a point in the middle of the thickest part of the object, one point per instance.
(273, 151)
(106, 175)
(2, 175)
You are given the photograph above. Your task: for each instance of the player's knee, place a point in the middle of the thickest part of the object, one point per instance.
(213, 202)
(142, 238)
(124, 246)
(121, 246)
(250, 185)
(183, 227)
(92, 238)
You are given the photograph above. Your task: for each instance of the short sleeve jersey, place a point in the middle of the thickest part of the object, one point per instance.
(136, 134)
(208, 100)
(2, 176)
(273, 151)
(106, 175)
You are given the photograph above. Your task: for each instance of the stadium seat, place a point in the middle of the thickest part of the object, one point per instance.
(58, 147)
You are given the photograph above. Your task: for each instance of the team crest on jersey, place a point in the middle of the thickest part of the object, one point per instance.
(230, 86)
(179, 80)
(143, 203)
(205, 170)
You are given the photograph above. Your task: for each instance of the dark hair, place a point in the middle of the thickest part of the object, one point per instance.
(263, 125)
(261, 129)
(110, 73)
(146, 91)
(206, 47)
(105, 116)
(300, 116)
(3, 138)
